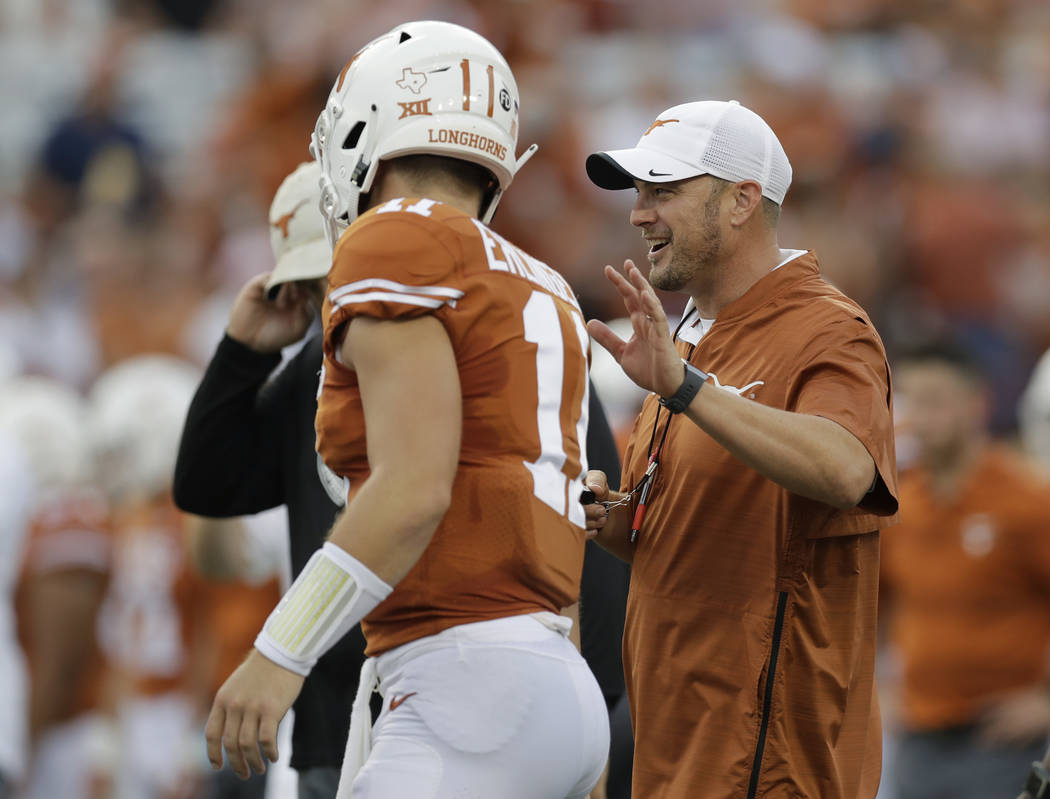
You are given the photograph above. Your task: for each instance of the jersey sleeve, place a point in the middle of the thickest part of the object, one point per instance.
(394, 265)
(846, 378)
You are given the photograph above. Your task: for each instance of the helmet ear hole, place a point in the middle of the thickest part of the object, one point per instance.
(404, 37)
(354, 136)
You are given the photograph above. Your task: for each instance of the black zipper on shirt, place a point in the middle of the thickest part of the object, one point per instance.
(767, 700)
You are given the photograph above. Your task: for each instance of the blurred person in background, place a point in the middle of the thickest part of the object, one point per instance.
(1034, 427)
(14, 523)
(965, 590)
(156, 622)
(14, 514)
(68, 561)
(1033, 414)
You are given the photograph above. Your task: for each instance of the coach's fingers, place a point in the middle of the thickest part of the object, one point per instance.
(628, 293)
(596, 515)
(604, 335)
(598, 483)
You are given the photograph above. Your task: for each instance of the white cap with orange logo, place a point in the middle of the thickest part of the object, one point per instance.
(709, 137)
(297, 228)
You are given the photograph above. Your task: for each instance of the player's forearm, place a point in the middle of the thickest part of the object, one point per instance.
(390, 521)
(808, 455)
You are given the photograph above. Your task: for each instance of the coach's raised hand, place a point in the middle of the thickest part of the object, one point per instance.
(649, 357)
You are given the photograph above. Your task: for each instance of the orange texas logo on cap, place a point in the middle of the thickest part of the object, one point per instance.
(658, 123)
(283, 222)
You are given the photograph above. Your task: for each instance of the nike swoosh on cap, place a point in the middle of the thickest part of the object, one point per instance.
(659, 174)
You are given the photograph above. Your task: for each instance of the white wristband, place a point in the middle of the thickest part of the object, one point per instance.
(332, 593)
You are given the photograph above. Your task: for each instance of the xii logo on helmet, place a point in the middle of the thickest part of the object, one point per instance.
(415, 108)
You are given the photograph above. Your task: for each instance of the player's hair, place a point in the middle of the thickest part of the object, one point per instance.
(454, 174)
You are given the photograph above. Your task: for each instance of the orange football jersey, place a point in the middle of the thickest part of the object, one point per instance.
(512, 540)
(148, 620)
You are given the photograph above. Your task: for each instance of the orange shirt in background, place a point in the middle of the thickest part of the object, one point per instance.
(967, 584)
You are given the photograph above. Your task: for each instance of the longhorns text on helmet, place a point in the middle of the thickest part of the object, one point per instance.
(424, 87)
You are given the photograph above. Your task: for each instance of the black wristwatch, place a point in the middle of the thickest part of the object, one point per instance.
(1037, 786)
(679, 401)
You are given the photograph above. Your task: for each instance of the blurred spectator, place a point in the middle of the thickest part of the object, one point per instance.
(92, 154)
(157, 621)
(66, 569)
(14, 512)
(1034, 413)
(966, 583)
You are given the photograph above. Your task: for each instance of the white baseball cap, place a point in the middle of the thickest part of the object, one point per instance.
(297, 228)
(709, 137)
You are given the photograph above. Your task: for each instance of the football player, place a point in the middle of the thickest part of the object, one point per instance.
(155, 621)
(68, 559)
(453, 406)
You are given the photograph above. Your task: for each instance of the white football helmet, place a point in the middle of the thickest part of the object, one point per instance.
(47, 419)
(424, 87)
(136, 411)
(1033, 412)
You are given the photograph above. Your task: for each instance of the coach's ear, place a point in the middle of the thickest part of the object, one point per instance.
(745, 198)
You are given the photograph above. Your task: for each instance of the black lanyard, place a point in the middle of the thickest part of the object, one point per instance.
(645, 484)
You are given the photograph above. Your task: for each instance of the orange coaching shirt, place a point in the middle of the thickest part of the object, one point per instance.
(968, 583)
(512, 540)
(737, 582)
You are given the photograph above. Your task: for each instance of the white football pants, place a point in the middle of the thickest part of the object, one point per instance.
(505, 708)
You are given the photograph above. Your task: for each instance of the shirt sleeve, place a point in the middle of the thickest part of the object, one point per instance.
(847, 379)
(228, 462)
(396, 265)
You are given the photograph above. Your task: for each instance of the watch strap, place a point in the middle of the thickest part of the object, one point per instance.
(680, 400)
